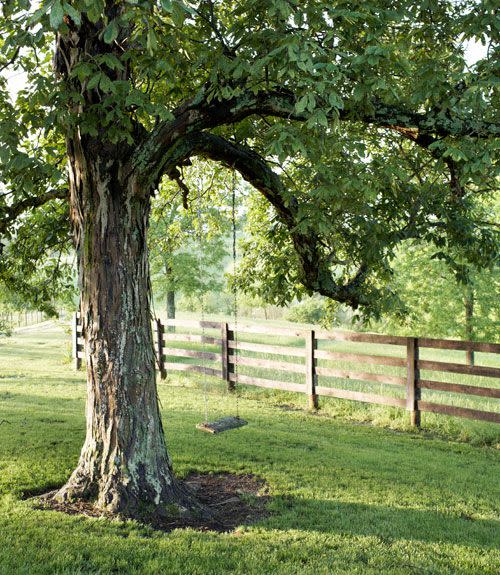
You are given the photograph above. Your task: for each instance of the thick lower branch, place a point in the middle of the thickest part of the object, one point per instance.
(196, 115)
(314, 264)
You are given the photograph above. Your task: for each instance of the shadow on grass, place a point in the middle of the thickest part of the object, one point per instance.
(386, 523)
(355, 519)
(41, 490)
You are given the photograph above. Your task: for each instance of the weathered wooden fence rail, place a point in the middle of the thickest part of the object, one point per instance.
(313, 363)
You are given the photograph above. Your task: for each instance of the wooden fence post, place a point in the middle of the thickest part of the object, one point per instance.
(224, 331)
(311, 343)
(76, 347)
(412, 389)
(232, 358)
(160, 348)
(469, 358)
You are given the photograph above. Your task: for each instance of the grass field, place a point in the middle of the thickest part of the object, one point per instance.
(345, 498)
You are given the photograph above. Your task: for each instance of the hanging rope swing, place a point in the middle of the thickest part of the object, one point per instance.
(228, 422)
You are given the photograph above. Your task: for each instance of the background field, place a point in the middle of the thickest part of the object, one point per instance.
(345, 497)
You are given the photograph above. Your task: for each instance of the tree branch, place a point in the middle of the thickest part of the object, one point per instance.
(10, 60)
(11, 213)
(314, 265)
(198, 114)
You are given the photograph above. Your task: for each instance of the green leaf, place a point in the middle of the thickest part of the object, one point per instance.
(111, 62)
(187, 9)
(178, 14)
(37, 15)
(95, 9)
(94, 81)
(455, 153)
(311, 102)
(151, 41)
(335, 100)
(110, 32)
(56, 15)
(73, 13)
(82, 70)
(136, 98)
(301, 105)
(106, 84)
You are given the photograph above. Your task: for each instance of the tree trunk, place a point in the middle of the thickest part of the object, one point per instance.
(170, 301)
(469, 327)
(171, 304)
(124, 466)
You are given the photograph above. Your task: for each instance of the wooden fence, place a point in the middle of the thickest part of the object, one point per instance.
(315, 368)
(22, 318)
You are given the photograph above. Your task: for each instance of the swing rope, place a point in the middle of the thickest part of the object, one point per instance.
(202, 295)
(224, 423)
(235, 293)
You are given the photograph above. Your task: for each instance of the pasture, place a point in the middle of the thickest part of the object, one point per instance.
(344, 497)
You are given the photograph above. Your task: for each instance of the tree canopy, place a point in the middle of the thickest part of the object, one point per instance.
(361, 123)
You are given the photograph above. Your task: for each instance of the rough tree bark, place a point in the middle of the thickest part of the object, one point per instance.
(124, 466)
(171, 304)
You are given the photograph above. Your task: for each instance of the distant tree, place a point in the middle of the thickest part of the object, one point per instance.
(311, 310)
(434, 303)
(190, 229)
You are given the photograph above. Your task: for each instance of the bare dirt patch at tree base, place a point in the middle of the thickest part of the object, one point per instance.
(233, 500)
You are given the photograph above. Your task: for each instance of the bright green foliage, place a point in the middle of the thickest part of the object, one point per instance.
(434, 302)
(360, 122)
(188, 243)
(308, 311)
(5, 327)
(38, 265)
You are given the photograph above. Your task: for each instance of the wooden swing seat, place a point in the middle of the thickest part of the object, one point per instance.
(222, 424)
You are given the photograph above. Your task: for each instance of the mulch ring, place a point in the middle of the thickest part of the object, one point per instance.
(234, 500)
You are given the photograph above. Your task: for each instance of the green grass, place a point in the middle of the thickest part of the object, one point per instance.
(345, 498)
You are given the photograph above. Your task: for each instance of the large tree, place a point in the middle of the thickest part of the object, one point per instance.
(314, 103)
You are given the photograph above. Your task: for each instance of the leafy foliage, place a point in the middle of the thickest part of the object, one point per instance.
(5, 327)
(434, 303)
(37, 266)
(308, 311)
(361, 124)
(188, 243)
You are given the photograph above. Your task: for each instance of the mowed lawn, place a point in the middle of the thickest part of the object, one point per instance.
(344, 497)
